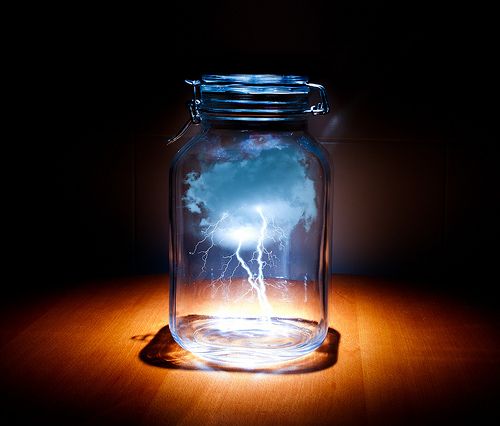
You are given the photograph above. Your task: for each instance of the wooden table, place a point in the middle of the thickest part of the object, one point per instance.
(102, 354)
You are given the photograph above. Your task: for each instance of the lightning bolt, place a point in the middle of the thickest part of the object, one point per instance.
(209, 235)
(305, 288)
(233, 261)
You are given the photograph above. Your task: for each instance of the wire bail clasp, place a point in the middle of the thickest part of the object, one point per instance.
(194, 113)
(321, 108)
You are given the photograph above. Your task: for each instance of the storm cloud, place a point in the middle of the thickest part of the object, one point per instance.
(270, 177)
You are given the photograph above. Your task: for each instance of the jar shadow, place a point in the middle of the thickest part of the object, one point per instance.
(163, 351)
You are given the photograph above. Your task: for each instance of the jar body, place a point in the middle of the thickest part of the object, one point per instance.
(249, 245)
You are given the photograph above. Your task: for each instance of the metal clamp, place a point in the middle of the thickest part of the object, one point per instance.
(194, 113)
(322, 107)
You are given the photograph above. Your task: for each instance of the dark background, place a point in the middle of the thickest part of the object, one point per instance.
(96, 91)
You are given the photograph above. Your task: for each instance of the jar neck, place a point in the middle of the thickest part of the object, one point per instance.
(291, 125)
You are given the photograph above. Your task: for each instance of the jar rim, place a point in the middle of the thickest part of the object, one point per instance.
(254, 79)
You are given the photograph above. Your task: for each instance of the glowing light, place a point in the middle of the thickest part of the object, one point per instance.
(248, 222)
(245, 233)
(255, 280)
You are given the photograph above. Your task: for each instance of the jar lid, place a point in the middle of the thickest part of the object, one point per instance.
(252, 97)
(256, 96)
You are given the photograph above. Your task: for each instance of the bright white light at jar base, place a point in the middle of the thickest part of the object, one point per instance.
(243, 325)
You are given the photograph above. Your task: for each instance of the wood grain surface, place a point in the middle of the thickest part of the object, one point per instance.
(102, 354)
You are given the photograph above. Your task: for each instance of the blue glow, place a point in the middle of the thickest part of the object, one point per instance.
(248, 205)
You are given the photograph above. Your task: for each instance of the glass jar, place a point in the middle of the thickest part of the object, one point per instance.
(249, 228)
